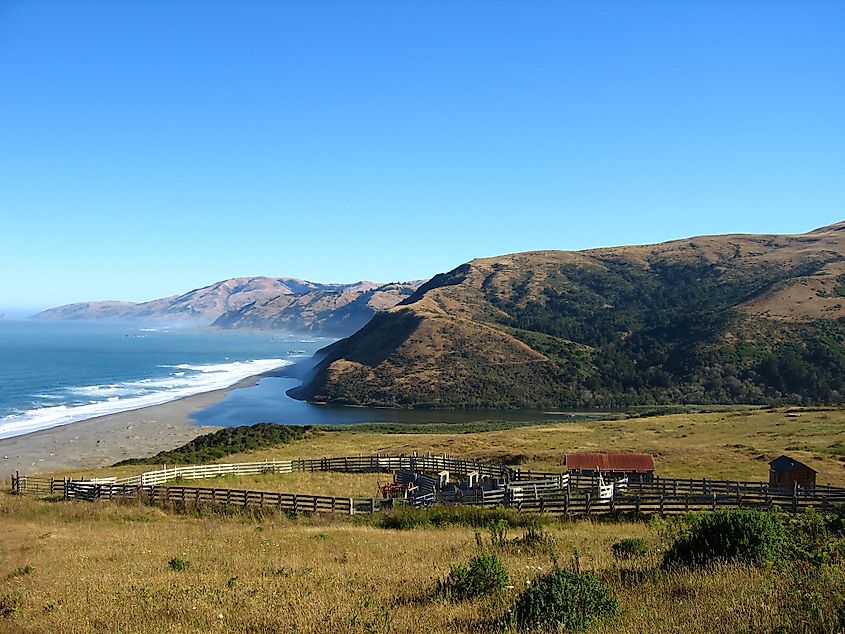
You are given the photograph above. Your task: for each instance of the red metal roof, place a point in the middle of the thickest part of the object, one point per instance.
(631, 462)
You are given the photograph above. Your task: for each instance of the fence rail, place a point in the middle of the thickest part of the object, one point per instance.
(523, 490)
(557, 504)
(198, 496)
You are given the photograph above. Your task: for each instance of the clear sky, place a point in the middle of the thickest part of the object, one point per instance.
(148, 148)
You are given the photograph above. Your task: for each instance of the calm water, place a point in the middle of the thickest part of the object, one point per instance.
(52, 373)
(266, 402)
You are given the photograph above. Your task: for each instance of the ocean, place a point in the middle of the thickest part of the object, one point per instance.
(54, 373)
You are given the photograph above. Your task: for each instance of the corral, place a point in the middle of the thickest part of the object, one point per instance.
(424, 480)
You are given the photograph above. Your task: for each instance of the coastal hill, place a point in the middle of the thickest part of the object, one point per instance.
(329, 311)
(255, 302)
(713, 319)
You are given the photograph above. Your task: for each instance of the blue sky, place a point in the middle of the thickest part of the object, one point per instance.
(147, 148)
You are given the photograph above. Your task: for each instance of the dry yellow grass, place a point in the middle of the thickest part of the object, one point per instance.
(358, 485)
(104, 567)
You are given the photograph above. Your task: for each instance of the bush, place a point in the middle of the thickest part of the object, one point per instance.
(485, 574)
(534, 539)
(178, 564)
(23, 571)
(816, 537)
(227, 441)
(737, 534)
(11, 605)
(564, 600)
(629, 548)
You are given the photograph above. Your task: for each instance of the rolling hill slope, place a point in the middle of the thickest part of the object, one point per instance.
(713, 319)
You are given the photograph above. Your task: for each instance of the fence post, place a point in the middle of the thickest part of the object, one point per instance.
(714, 500)
(295, 504)
(588, 502)
(372, 505)
(662, 501)
(351, 507)
(65, 487)
(17, 479)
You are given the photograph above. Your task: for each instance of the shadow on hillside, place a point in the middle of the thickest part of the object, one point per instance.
(370, 346)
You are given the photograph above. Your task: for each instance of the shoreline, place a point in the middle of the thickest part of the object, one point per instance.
(103, 440)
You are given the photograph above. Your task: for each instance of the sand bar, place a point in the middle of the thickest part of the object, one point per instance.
(104, 440)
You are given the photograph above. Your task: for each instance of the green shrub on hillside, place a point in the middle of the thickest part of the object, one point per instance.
(227, 441)
(817, 537)
(628, 548)
(738, 534)
(564, 600)
(178, 564)
(485, 574)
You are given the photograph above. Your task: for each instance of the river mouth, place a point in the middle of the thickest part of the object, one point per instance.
(267, 402)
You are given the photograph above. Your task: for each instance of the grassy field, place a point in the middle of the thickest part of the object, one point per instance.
(358, 485)
(719, 445)
(77, 567)
(81, 567)
(722, 445)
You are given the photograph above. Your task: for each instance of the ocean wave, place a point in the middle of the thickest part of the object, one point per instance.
(121, 397)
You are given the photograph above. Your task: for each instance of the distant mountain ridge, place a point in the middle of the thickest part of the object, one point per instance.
(254, 302)
(712, 319)
(330, 312)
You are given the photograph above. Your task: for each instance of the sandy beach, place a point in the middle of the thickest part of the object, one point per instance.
(104, 440)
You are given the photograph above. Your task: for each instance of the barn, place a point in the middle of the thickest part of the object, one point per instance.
(637, 467)
(786, 472)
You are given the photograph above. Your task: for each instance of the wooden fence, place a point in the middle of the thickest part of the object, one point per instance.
(567, 503)
(523, 490)
(349, 464)
(185, 496)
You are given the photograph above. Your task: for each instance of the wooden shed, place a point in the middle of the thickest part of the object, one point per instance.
(638, 467)
(786, 472)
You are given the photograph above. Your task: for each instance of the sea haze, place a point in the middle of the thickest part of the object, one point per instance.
(53, 373)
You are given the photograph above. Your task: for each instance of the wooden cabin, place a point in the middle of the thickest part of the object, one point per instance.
(786, 472)
(637, 467)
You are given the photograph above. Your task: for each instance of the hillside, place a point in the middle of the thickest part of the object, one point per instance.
(713, 319)
(328, 311)
(254, 302)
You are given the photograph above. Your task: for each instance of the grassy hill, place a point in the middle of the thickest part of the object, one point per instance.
(715, 319)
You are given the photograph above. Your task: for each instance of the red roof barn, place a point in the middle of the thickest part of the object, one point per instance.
(639, 467)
